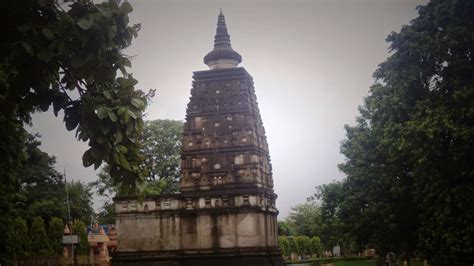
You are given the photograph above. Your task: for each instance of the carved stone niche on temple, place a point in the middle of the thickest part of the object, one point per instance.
(225, 213)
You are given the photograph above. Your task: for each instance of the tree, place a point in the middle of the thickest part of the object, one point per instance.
(107, 213)
(42, 187)
(18, 239)
(293, 246)
(305, 218)
(162, 152)
(285, 229)
(43, 191)
(303, 245)
(334, 212)
(316, 247)
(69, 59)
(80, 197)
(80, 229)
(284, 245)
(55, 235)
(39, 240)
(410, 180)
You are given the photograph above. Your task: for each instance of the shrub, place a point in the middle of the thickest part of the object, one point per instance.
(39, 240)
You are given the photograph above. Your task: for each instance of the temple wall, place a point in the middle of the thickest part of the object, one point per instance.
(166, 224)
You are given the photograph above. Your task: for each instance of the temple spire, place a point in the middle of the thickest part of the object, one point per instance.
(222, 56)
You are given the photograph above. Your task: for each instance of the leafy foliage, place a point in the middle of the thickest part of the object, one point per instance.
(316, 246)
(55, 235)
(303, 245)
(334, 230)
(285, 228)
(80, 196)
(41, 193)
(300, 245)
(284, 245)
(18, 239)
(107, 213)
(69, 60)
(410, 180)
(305, 219)
(42, 187)
(79, 228)
(162, 152)
(39, 240)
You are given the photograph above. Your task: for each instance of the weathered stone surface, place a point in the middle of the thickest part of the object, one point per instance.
(225, 213)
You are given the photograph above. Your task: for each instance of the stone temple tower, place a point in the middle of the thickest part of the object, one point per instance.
(225, 212)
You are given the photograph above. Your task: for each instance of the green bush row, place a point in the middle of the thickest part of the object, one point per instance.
(300, 245)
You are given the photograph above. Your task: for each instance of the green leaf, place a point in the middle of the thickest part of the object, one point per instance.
(49, 34)
(71, 118)
(126, 62)
(105, 127)
(126, 7)
(104, 11)
(121, 148)
(27, 47)
(118, 137)
(125, 118)
(44, 106)
(121, 110)
(87, 158)
(85, 24)
(132, 115)
(102, 112)
(137, 103)
(97, 164)
(112, 116)
(129, 130)
(107, 95)
(123, 162)
(58, 103)
(83, 136)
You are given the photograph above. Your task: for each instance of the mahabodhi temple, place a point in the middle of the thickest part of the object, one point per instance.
(225, 213)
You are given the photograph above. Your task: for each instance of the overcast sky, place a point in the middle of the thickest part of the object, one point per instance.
(312, 64)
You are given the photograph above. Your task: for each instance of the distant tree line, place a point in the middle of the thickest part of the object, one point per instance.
(41, 240)
(35, 223)
(41, 196)
(306, 231)
(300, 245)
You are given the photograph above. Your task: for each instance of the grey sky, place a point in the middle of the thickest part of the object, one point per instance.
(312, 64)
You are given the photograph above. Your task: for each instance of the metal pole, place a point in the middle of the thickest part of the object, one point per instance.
(69, 217)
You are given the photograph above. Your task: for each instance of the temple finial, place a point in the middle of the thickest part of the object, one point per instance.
(222, 56)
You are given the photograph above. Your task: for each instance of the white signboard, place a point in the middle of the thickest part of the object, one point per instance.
(70, 239)
(336, 251)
